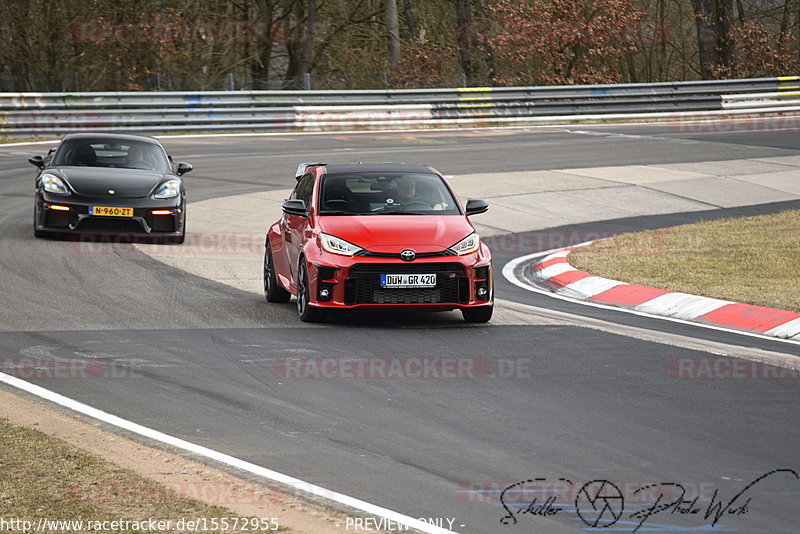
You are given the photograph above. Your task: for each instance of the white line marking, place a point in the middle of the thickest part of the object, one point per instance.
(555, 270)
(681, 305)
(589, 287)
(510, 267)
(296, 483)
(790, 329)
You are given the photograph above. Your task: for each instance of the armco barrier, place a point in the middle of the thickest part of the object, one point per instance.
(54, 114)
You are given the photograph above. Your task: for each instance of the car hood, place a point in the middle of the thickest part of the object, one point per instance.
(395, 233)
(126, 183)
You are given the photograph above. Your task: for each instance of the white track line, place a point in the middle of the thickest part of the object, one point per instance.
(269, 474)
(511, 266)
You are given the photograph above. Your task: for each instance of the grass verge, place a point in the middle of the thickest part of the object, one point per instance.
(753, 260)
(45, 477)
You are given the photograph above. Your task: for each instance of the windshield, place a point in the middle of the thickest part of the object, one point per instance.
(99, 153)
(386, 194)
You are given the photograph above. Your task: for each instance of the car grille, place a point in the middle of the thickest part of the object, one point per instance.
(112, 225)
(363, 286)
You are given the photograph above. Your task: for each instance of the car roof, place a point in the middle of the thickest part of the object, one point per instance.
(376, 167)
(111, 137)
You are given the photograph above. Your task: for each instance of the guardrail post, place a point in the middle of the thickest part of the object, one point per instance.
(307, 81)
(463, 80)
(385, 80)
(230, 81)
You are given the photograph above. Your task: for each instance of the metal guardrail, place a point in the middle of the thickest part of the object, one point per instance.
(54, 114)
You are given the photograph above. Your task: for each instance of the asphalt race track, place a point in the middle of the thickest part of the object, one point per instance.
(202, 361)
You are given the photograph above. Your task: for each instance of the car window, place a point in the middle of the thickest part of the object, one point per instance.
(386, 194)
(304, 189)
(105, 153)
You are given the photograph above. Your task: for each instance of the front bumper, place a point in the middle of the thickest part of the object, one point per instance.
(354, 282)
(70, 214)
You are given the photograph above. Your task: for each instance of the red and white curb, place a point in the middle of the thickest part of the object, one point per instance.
(553, 273)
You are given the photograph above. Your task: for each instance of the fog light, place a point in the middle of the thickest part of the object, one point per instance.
(324, 292)
(59, 208)
(482, 292)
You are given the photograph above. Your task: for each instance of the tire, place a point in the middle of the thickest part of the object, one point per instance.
(272, 291)
(478, 315)
(308, 313)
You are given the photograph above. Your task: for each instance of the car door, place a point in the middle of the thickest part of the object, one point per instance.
(294, 226)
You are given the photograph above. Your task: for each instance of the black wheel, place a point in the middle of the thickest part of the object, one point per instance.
(478, 315)
(308, 313)
(272, 291)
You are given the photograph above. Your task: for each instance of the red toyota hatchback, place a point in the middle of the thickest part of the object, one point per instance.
(377, 236)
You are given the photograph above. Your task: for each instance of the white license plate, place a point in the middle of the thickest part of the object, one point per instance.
(408, 280)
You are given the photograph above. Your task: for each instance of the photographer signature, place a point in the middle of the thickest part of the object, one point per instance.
(600, 503)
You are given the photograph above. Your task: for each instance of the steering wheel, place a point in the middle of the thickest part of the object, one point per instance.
(416, 205)
(140, 164)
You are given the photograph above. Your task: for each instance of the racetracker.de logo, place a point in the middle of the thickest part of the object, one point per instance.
(686, 123)
(383, 368)
(541, 240)
(108, 32)
(724, 368)
(58, 368)
(195, 244)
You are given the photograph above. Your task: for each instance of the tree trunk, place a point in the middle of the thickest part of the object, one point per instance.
(393, 29)
(411, 20)
(308, 46)
(726, 46)
(259, 68)
(706, 37)
(463, 29)
(785, 21)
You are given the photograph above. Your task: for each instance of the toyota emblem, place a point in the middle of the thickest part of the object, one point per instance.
(408, 255)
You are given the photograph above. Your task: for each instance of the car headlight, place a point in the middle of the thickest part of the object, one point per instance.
(468, 245)
(169, 189)
(53, 184)
(334, 245)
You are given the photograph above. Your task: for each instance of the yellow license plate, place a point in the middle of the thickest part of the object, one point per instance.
(110, 211)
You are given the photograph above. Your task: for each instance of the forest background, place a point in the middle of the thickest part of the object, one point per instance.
(128, 45)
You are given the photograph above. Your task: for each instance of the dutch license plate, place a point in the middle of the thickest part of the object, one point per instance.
(110, 211)
(408, 280)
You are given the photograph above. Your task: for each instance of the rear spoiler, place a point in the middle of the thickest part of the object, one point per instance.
(302, 168)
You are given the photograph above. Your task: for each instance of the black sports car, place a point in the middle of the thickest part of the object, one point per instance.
(95, 183)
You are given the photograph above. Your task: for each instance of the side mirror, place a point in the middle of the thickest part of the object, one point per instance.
(37, 161)
(295, 207)
(476, 206)
(183, 168)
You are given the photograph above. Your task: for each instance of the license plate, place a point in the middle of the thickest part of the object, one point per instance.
(110, 211)
(408, 280)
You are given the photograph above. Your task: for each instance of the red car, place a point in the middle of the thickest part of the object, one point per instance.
(377, 236)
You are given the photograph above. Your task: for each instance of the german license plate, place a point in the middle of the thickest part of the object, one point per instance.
(110, 211)
(408, 280)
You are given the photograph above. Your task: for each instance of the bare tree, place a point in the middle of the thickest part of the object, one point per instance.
(463, 29)
(393, 29)
(411, 20)
(706, 36)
